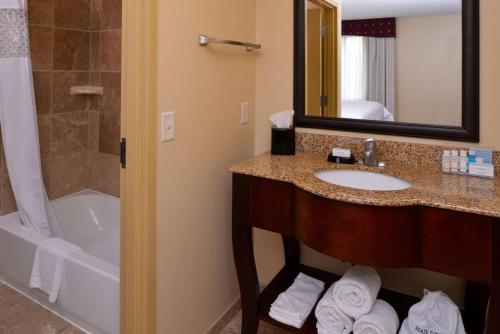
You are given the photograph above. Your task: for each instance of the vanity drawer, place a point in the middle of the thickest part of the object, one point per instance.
(362, 234)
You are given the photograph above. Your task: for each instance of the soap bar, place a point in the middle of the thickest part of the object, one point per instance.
(341, 152)
(339, 160)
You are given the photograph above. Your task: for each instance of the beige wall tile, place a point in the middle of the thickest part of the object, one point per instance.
(111, 100)
(73, 14)
(104, 173)
(93, 131)
(41, 41)
(95, 51)
(69, 133)
(62, 101)
(109, 133)
(95, 15)
(44, 135)
(68, 173)
(71, 50)
(111, 50)
(43, 91)
(41, 12)
(107, 14)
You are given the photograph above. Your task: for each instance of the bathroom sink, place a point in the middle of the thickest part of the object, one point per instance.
(362, 180)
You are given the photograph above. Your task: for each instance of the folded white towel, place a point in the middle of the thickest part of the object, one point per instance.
(287, 321)
(382, 319)
(356, 292)
(435, 313)
(293, 306)
(48, 265)
(331, 320)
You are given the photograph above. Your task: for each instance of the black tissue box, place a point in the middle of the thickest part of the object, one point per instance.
(283, 141)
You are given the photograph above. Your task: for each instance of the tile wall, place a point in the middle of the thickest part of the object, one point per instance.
(74, 43)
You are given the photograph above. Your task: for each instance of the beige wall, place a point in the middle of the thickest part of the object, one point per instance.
(428, 70)
(277, 30)
(195, 273)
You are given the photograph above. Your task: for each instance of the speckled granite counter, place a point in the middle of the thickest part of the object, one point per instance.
(430, 187)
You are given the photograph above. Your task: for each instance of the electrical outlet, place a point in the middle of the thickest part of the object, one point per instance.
(244, 113)
(167, 126)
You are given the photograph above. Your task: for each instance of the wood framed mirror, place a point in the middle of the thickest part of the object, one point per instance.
(376, 66)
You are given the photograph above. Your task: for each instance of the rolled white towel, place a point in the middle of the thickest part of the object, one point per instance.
(435, 313)
(382, 319)
(331, 320)
(293, 306)
(356, 292)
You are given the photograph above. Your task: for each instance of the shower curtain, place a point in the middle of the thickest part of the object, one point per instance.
(18, 121)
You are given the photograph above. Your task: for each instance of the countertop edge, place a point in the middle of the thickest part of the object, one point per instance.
(353, 200)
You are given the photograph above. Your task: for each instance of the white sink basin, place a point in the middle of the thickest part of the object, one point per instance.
(362, 180)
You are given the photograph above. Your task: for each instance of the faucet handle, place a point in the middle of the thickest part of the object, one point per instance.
(369, 144)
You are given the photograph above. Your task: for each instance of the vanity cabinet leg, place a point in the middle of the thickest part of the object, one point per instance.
(244, 256)
(291, 247)
(476, 305)
(493, 326)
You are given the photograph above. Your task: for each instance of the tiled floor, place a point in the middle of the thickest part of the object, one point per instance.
(20, 315)
(234, 327)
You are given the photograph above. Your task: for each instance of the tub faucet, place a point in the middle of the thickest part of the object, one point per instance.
(370, 153)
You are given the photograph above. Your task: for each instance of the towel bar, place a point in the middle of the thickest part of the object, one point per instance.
(205, 40)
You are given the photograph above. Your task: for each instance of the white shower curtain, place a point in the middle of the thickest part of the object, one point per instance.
(18, 121)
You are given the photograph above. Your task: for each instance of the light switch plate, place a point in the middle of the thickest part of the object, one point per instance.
(244, 113)
(167, 126)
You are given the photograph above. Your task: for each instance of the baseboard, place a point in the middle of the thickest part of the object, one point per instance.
(229, 315)
(226, 317)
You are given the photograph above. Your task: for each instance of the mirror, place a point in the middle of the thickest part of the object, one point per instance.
(407, 67)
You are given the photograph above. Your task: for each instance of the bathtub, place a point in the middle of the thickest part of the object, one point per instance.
(89, 295)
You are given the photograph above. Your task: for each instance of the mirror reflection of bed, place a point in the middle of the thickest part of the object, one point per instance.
(399, 61)
(368, 110)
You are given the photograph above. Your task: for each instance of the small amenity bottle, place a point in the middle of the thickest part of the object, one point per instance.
(464, 161)
(455, 161)
(446, 161)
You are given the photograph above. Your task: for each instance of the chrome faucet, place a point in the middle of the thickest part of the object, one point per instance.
(370, 158)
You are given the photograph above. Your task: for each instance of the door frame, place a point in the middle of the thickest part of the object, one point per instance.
(138, 179)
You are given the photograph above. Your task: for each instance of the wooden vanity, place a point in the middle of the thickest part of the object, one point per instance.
(442, 223)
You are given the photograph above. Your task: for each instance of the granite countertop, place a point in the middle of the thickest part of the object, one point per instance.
(430, 187)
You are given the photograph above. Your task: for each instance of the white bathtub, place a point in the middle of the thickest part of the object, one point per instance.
(89, 295)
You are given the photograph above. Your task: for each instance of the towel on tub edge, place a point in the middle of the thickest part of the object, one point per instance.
(48, 266)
